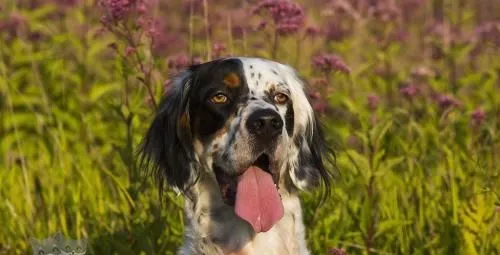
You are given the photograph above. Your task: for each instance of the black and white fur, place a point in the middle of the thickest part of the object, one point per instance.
(190, 139)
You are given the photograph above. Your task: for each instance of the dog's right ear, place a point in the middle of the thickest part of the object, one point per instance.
(166, 150)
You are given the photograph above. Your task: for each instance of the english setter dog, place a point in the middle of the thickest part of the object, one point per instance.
(239, 139)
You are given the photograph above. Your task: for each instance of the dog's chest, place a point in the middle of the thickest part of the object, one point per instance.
(230, 235)
(281, 239)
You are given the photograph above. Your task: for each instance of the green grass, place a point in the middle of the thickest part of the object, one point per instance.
(412, 178)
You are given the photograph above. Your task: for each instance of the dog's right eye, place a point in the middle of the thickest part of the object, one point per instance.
(219, 98)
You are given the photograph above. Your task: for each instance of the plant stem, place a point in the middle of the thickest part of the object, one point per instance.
(274, 52)
(207, 31)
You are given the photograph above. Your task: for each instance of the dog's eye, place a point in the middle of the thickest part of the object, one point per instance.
(219, 99)
(280, 98)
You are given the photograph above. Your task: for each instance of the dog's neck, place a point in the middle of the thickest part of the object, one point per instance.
(212, 227)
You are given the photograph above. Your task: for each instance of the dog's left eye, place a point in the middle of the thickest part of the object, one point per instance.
(219, 99)
(280, 98)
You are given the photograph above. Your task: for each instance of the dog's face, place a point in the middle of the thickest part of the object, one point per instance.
(240, 121)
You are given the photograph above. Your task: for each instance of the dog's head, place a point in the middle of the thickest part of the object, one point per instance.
(244, 122)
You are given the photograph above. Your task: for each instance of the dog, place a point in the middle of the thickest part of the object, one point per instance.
(238, 138)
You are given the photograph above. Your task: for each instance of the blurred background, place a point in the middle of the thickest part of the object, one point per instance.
(408, 90)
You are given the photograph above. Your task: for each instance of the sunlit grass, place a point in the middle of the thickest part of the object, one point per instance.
(416, 174)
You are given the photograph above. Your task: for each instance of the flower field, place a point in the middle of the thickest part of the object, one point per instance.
(408, 92)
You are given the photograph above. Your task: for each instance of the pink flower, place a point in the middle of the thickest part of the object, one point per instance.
(446, 101)
(327, 63)
(478, 116)
(373, 102)
(313, 31)
(119, 10)
(181, 62)
(337, 251)
(489, 32)
(218, 49)
(288, 16)
(409, 91)
(320, 106)
(13, 24)
(129, 51)
(335, 32)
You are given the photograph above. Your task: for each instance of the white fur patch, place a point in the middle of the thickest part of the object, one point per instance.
(261, 74)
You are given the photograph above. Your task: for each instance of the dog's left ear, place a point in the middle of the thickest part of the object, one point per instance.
(312, 151)
(313, 154)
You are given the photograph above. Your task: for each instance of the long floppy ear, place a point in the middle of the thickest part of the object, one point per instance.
(312, 151)
(313, 154)
(166, 150)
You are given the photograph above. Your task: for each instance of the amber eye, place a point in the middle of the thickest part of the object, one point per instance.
(219, 99)
(280, 98)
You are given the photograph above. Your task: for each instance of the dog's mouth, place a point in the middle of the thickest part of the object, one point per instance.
(254, 193)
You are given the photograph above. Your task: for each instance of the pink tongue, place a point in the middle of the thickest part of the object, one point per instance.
(257, 200)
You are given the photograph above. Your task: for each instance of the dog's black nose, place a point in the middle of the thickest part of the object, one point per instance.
(265, 124)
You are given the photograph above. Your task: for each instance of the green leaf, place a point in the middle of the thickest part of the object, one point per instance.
(390, 225)
(100, 90)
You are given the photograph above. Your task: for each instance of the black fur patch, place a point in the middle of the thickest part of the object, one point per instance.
(289, 119)
(186, 112)
(313, 154)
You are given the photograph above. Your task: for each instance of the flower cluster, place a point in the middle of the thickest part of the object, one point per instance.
(328, 63)
(373, 102)
(409, 91)
(12, 24)
(313, 31)
(478, 116)
(218, 49)
(288, 17)
(489, 32)
(118, 10)
(446, 101)
(337, 251)
(181, 62)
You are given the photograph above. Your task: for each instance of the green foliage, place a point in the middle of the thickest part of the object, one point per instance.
(413, 178)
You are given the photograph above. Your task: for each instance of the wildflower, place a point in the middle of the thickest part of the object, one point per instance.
(320, 106)
(337, 251)
(409, 91)
(446, 101)
(313, 31)
(218, 49)
(399, 36)
(178, 62)
(478, 116)
(181, 62)
(260, 26)
(319, 82)
(118, 10)
(288, 17)
(335, 32)
(410, 7)
(489, 32)
(373, 102)
(314, 95)
(385, 12)
(327, 63)
(129, 51)
(164, 41)
(13, 24)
